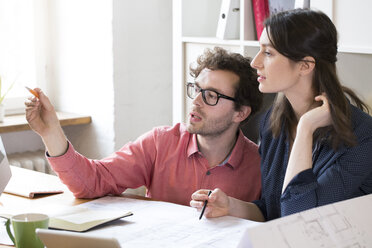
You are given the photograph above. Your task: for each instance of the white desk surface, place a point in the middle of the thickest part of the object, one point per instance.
(154, 223)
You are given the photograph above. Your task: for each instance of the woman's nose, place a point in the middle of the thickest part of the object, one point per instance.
(255, 63)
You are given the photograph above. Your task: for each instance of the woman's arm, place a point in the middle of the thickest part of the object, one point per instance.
(300, 158)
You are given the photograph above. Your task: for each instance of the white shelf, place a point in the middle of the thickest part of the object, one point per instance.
(355, 49)
(217, 41)
(210, 40)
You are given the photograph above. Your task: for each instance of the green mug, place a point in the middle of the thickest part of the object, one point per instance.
(24, 226)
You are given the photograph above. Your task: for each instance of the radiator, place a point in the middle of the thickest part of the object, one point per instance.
(31, 160)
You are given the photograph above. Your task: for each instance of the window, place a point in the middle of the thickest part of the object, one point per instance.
(17, 51)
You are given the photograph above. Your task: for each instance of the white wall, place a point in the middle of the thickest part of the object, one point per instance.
(110, 60)
(142, 67)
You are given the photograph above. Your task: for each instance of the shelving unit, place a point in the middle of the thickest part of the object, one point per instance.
(194, 29)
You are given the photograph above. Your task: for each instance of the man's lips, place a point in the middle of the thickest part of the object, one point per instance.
(194, 116)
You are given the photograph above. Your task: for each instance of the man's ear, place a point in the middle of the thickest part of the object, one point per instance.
(307, 65)
(242, 113)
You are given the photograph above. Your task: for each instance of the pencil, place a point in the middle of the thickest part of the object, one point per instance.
(33, 92)
(205, 205)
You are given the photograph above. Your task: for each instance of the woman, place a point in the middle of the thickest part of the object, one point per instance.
(316, 140)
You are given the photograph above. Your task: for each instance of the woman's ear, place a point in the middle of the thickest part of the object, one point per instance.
(307, 65)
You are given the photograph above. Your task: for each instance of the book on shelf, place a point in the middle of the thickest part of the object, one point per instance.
(261, 12)
(249, 24)
(228, 26)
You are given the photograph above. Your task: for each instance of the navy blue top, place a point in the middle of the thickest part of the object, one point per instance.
(335, 176)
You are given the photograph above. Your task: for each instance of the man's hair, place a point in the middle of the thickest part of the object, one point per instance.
(246, 91)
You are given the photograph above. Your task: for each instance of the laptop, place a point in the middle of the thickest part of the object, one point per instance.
(63, 239)
(5, 173)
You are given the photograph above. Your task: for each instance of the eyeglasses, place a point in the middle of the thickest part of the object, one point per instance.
(210, 97)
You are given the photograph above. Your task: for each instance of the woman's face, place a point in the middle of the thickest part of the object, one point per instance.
(276, 73)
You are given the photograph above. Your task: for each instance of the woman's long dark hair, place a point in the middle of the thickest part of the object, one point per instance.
(299, 33)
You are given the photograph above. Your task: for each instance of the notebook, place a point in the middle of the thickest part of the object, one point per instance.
(29, 183)
(5, 172)
(63, 239)
(80, 219)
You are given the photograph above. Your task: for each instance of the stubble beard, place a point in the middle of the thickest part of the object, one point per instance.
(210, 128)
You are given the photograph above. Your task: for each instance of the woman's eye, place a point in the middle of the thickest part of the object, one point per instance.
(267, 53)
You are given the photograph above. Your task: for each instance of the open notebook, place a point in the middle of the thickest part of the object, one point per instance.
(31, 184)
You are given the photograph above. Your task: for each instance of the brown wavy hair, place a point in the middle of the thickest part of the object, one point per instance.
(299, 33)
(246, 92)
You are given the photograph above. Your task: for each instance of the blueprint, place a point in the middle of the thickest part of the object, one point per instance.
(346, 224)
(162, 224)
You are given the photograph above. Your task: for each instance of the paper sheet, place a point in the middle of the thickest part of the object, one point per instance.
(164, 224)
(342, 224)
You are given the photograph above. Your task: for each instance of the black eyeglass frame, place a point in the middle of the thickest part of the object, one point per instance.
(219, 95)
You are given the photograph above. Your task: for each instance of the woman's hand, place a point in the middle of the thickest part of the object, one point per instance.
(218, 202)
(317, 117)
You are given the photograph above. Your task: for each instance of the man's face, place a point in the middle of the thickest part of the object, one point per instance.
(207, 120)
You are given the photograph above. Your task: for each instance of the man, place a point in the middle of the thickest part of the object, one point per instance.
(172, 162)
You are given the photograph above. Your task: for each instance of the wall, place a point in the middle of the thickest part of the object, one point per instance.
(107, 59)
(142, 67)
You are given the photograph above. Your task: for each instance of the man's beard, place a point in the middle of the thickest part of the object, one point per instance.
(210, 127)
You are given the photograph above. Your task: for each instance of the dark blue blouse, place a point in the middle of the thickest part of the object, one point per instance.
(335, 176)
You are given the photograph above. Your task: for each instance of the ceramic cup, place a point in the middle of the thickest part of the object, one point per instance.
(24, 226)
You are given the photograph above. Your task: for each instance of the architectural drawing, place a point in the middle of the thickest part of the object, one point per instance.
(344, 224)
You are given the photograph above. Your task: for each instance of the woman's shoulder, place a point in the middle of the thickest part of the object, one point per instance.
(362, 122)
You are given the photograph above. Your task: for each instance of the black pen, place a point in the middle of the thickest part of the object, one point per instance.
(205, 205)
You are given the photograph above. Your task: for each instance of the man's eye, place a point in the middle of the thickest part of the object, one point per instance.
(211, 95)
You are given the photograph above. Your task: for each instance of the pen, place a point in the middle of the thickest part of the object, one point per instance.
(205, 205)
(33, 92)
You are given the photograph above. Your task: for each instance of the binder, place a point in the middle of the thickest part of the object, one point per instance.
(229, 20)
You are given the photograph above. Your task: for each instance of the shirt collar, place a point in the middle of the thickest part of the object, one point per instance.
(236, 156)
(193, 146)
(237, 153)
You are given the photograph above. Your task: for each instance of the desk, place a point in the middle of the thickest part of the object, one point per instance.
(157, 223)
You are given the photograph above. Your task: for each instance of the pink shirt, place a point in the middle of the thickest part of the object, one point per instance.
(167, 161)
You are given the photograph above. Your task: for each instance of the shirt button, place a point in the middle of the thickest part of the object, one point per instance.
(208, 173)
